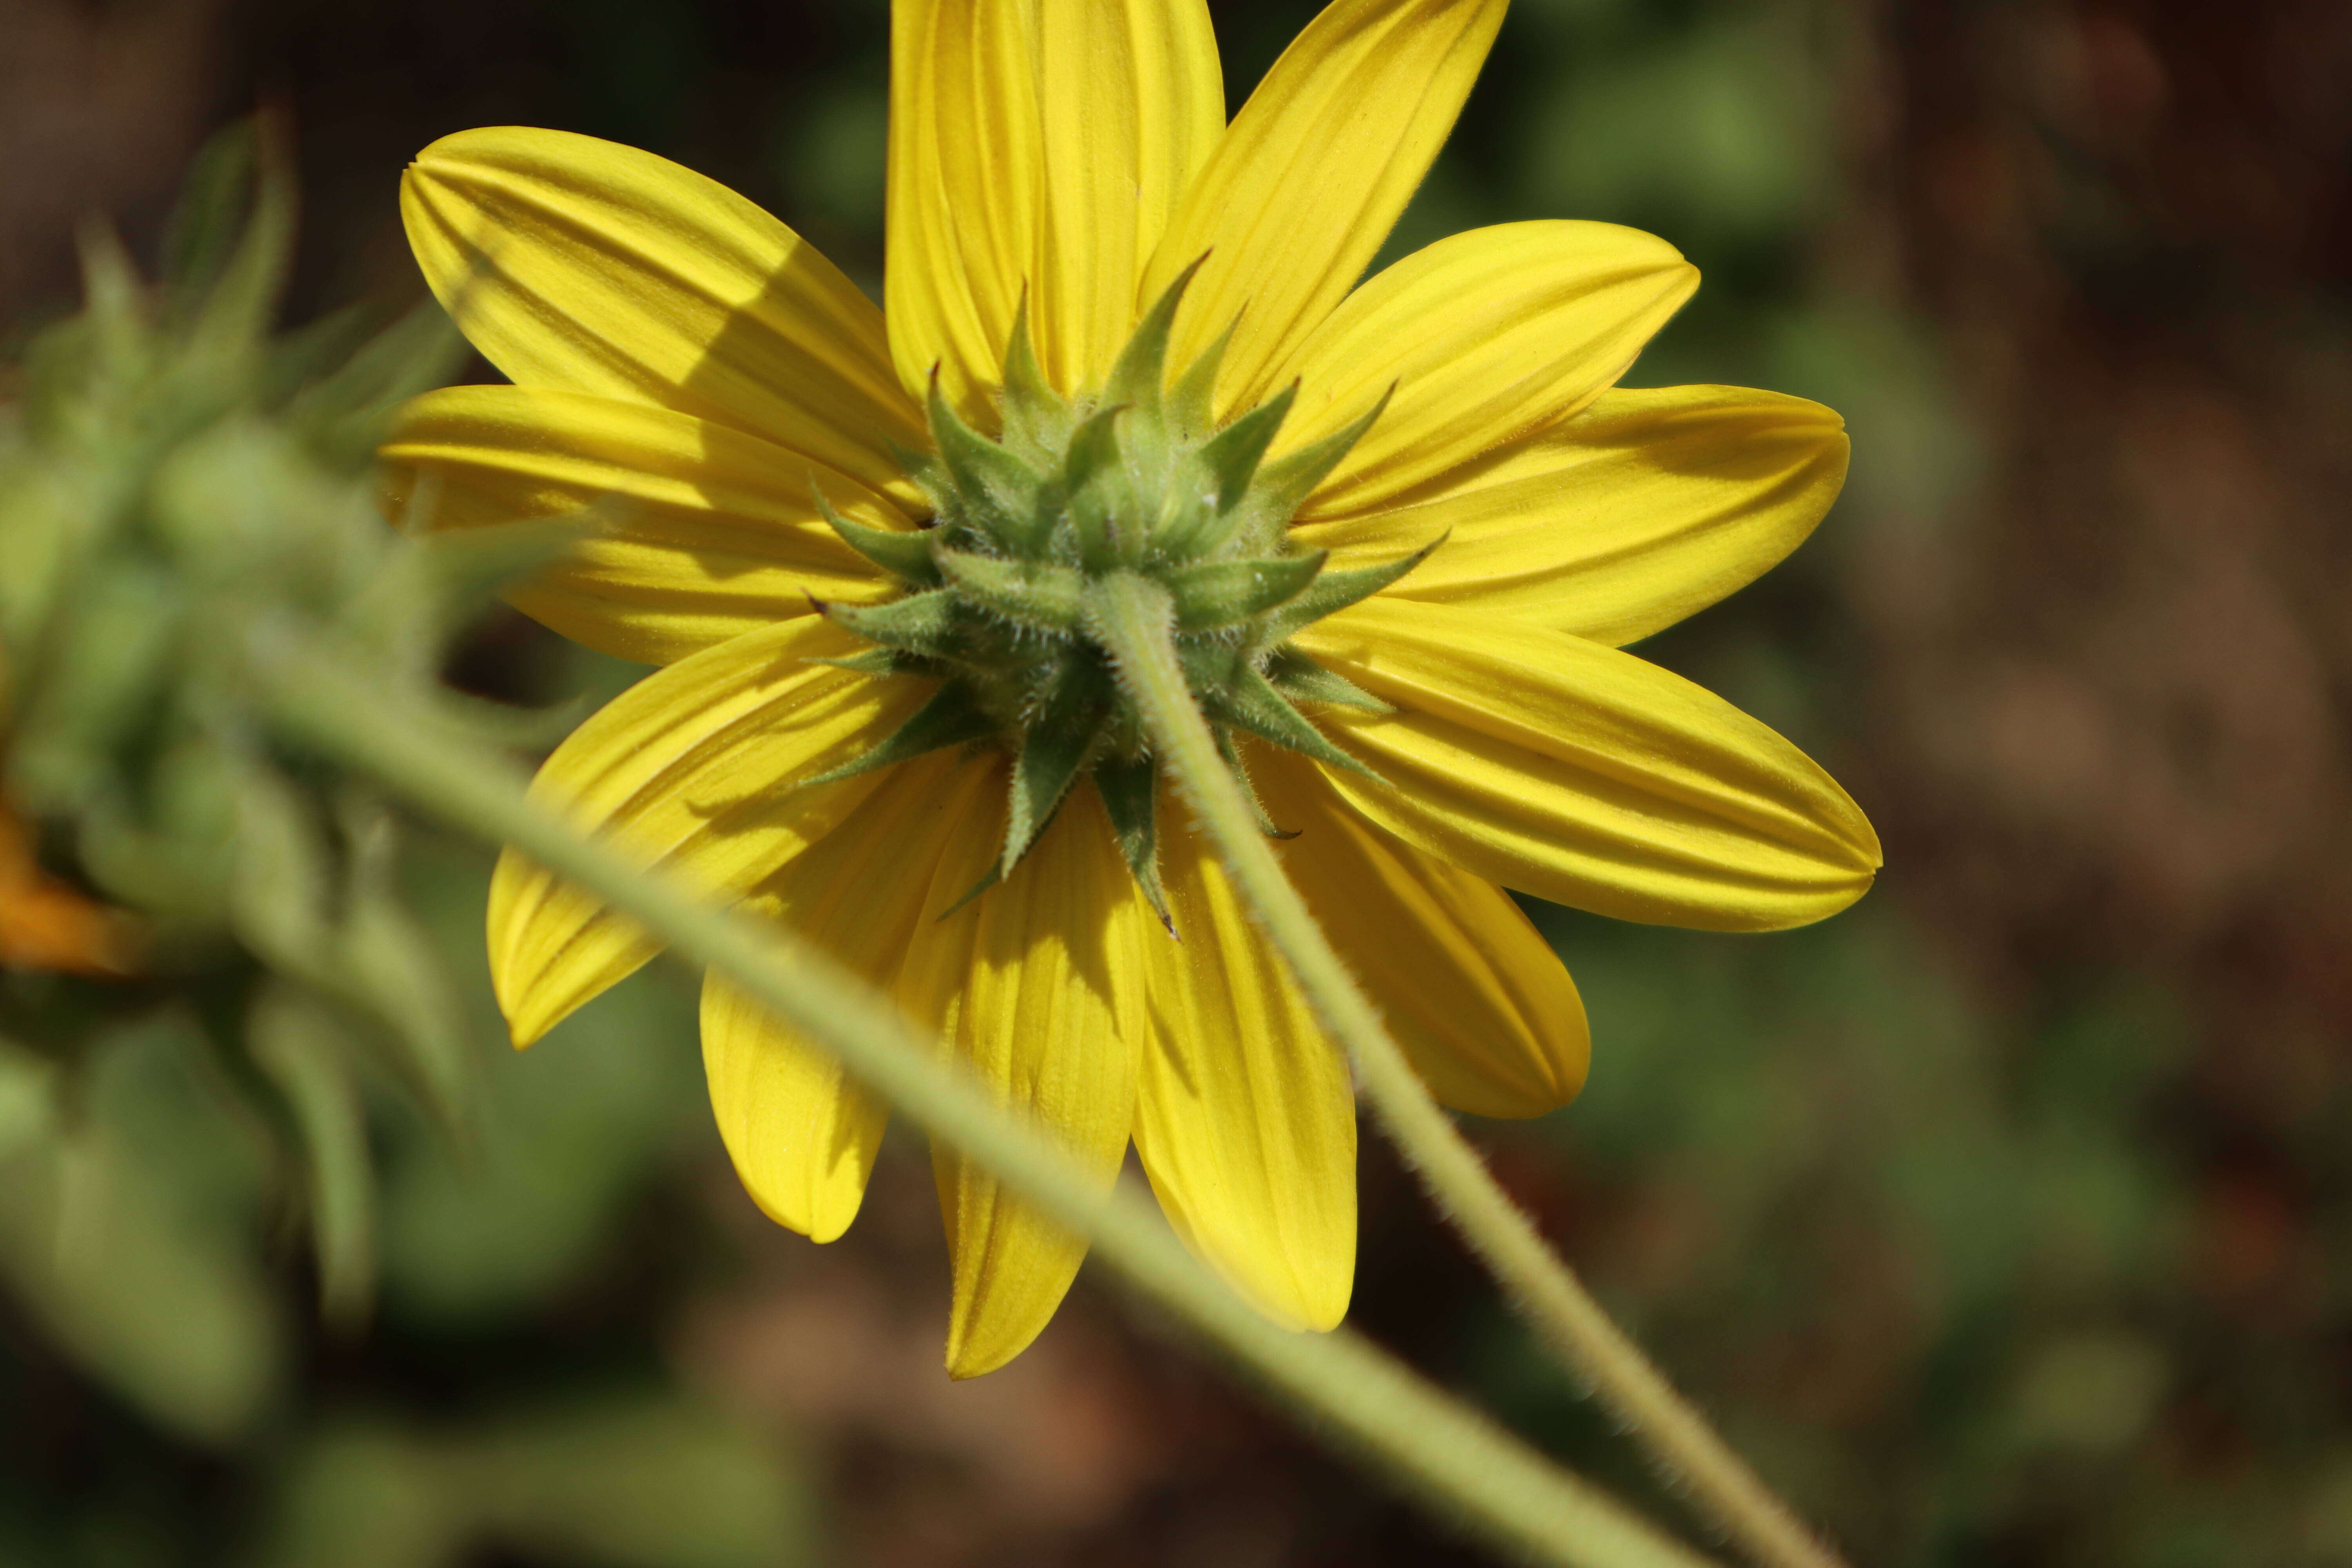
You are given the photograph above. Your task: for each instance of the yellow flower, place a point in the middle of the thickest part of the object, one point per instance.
(767, 441)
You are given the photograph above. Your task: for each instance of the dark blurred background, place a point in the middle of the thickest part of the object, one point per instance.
(2005, 1219)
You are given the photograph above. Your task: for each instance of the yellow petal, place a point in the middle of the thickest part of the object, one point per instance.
(1132, 101)
(1647, 507)
(1484, 336)
(590, 267)
(706, 533)
(1245, 1119)
(1308, 181)
(1476, 998)
(1034, 985)
(1582, 774)
(801, 1132)
(691, 769)
(966, 167)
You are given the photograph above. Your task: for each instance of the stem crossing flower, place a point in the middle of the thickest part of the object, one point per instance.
(1404, 528)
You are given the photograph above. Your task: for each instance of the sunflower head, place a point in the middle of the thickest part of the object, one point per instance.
(1136, 477)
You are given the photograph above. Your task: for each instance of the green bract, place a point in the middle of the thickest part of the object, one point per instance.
(1139, 478)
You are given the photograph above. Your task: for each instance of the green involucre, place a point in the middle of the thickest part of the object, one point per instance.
(1136, 477)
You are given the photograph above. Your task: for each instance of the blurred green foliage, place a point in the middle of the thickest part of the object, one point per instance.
(175, 477)
(172, 480)
(642, 1483)
(1826, 1113)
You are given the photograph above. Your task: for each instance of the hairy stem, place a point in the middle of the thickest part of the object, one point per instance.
(1454, 1459)
(1131, 616)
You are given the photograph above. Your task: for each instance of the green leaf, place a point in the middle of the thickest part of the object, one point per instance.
(238, 306)
(117, 649)
(951, 717)
(280, 881)
(202, 234)
(1219, 592)
(392, 971)
(28, 1099)
(126, 1235)
(345, 413)
(118, 337)
(299, 1047)
(1129, 788)
(1041, 595)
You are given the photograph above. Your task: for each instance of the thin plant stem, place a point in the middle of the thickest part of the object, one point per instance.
(1132, 617)
(1454, 1459)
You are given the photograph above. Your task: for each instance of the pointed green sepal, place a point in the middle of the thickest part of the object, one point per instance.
(1209, 663)
(1219, 592)
(1041, 595)
(1052, 754)
(1334, 591)
(1034, 417)
(904, 554)
(1129, 788)
(1191, 401)
(987, 878)
(117, 307)
(239, 302)
(1233, 454)
(1232, 754)
(921, 623)
(1142, 365)
(202, 230)
(1094, 448)
(929, 477)
(997, 488)
(1048, 765)
(447, 577)
(1093, 477)
(1301, 679)
(951, 717)
(1283, 484)
(1251, 702)
(883, 661)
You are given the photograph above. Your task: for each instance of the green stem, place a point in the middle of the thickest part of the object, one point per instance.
(1454, 1459)
(1131, 616)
